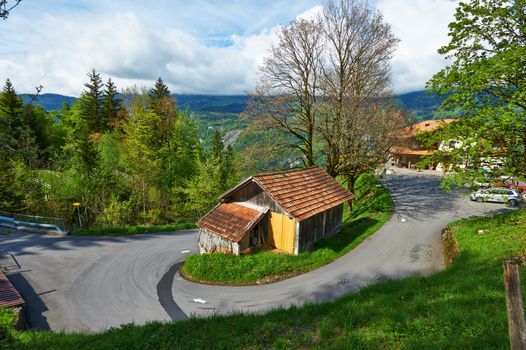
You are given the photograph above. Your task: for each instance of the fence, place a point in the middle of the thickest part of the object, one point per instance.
(33, 223)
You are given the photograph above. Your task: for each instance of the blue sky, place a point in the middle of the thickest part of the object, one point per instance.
(211, 47)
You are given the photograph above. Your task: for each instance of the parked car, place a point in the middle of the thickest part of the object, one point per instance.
(497, 194)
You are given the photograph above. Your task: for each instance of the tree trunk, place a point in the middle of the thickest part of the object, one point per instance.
(351, 179)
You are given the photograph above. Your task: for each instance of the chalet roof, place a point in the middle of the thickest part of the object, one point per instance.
(231, 220)
(302, 193)
(425, 126)
(9, 296)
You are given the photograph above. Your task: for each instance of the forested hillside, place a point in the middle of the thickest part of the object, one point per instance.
(223, 114)
(129, 158)
(136, 157)
(421, 104)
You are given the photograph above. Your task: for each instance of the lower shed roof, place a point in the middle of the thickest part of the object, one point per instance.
(231, 220)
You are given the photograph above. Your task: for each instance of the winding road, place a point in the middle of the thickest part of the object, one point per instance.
(94, 283)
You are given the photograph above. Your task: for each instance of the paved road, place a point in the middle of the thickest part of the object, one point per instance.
(408, 244)
(91, 283)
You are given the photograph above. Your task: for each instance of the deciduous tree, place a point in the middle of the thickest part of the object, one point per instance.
(288, 90)
(486, 80)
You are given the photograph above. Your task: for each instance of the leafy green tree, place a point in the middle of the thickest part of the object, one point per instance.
(18, 190)
(187, 149)
(79, 150)
(487, 82)
(141, 160)
(202, 191)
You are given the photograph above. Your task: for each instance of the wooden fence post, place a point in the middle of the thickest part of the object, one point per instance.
(515, 306)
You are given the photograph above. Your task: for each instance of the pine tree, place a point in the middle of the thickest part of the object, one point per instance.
(164, 106)
(92, 103)
(160, 90)
(10, 118)
(216, 151)
(18, 128)
(228, 171)
(10, 103)
(111, 103)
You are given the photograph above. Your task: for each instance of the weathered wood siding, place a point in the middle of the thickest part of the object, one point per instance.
(209, 242)
(252, 193)
(320, 226)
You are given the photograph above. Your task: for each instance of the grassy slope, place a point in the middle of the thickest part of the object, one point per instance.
(371, 211)
(130, 230)
(460, 308)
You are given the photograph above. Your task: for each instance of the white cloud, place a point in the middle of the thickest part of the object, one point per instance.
(135, 47)
(422, 26)
(311, 13)
(121, 47)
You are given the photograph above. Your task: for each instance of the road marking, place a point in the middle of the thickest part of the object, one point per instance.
(200, 301)
(185, 251)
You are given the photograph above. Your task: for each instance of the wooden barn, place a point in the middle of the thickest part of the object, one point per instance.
(287, 210)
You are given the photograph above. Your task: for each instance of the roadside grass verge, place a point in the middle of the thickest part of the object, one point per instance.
(131, 230)
(371, 210)
(463, 307)
(6, 322)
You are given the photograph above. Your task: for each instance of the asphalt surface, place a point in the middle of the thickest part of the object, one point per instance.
(94, 283)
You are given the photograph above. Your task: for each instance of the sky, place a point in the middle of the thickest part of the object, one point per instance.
(197, 47)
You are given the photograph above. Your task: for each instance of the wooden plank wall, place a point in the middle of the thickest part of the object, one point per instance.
(209, 242)
(320, 226)
(252, 193)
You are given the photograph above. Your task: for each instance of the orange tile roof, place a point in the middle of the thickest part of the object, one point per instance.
(424, 126)
(9, 296)
(230, 220)
(304, 192)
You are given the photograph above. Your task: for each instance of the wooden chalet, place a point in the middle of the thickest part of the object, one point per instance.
(408, 152)
(287, 210)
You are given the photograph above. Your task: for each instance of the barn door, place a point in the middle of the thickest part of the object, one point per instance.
(281, 232)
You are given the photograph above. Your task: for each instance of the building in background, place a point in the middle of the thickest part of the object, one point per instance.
(408, 152)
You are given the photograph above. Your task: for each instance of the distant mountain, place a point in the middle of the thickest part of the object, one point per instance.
(50, 102)
(209, 103)
(421, 104)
